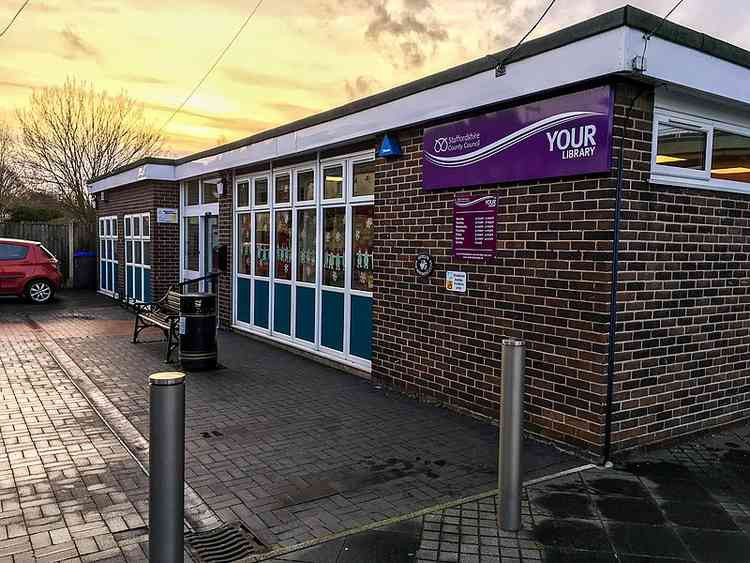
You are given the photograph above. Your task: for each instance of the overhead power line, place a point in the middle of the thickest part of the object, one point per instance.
(641, 65)
(213, 66)
(10, 23)
(500, 67)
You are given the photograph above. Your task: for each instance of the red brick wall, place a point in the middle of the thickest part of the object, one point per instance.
(145, 198)
(225, 237)
(683, 338)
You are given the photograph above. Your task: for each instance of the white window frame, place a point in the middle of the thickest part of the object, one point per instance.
(140, 239)
(690, 178)
(109, 239)
(318, 204)
(200, 210)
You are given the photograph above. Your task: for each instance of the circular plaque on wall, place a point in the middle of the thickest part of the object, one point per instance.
(424, 264)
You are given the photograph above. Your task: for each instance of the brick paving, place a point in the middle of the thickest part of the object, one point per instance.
(68, 489)
(292, 449)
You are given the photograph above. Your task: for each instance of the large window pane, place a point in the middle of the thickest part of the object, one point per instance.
(283, 243)
(282, 188)
(146, 226)
(362, 240)
(129, 251)
(137, 257)
(243, 194)
(262, 243)
(364, 178)
(306, 185)
(146, 253)
(333, 182)
(136, 226)
(191, 192)
(128, 226)
(114, 227)
(210, 192)
(306, 251)
(334, 229)
(681, 147)
(245, 255)
(261, 191)
(192, 238)
(731, 157)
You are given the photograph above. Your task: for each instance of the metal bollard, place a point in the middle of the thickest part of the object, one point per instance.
(511, 434)
(167, 467)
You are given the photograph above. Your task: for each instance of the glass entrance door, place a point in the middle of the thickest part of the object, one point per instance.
(211, 247)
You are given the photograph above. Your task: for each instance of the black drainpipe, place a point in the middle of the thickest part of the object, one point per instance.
(615, 276)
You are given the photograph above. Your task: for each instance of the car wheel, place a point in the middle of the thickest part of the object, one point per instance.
(39, 291)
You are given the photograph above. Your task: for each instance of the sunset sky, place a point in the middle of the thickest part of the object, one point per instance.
(295, 58)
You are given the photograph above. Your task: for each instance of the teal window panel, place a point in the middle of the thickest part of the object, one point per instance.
(305, 314)
(129, 273)
(146, 285)
(260, 318)
(243, 300)
(282, 308)
(360, 339)
(138, 285)
(332, 320)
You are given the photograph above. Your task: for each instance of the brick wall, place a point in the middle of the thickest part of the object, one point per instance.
(683, 338)
(145, 198)
(549, 285)
(225, 237)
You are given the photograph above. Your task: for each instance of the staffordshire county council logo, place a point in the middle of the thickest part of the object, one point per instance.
(441, 144)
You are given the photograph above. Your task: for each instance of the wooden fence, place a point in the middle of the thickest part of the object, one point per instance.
(62, 240)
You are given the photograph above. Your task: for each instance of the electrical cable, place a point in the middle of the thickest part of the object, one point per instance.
(647, 37)
(18, 13)
(500, 67)
(213, 66)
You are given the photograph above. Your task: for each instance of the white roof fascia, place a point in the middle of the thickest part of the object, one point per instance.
(690, 68)
(145, 172)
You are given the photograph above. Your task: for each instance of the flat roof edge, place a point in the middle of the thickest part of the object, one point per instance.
(626, 16)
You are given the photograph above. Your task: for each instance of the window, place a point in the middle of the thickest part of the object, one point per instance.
(333, 182)
(260, 191)
(13, 251)
(262, 243)
(305, 185)
(334, 240)
(364, 178)
(138, 257)
(243, 194)
(306, 247)
(108, 254)
(192, 243)
(283, 184)
(244, 238)
(731, 157)
(697, 152)
(283, 244)
(210, 191)
(192, 194)
(681, 147)
(362, 242)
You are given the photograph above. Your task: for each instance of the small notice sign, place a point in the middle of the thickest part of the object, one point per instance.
(166, 215)
(182, 326)
(474, 227)
(455, 281)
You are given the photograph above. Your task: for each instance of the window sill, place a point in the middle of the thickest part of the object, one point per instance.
(712, 185)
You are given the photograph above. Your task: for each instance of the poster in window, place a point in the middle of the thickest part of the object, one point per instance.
(362, 251)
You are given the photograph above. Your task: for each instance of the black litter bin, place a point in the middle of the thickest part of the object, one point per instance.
(84, 269)
(198, 331)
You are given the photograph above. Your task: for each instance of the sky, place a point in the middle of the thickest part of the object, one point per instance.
(295, 58)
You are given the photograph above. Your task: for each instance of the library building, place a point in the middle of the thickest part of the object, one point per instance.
(403, 236)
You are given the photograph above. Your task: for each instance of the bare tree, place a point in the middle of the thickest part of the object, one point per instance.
(71, 133)
(11, 186)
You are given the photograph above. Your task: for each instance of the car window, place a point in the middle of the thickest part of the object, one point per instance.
(13, 251)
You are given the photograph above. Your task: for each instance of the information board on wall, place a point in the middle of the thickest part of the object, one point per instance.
(166, 215)
(474, 227)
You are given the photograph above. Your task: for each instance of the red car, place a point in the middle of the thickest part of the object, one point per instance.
(29, 270)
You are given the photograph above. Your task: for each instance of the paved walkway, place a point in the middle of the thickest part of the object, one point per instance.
(291, 449)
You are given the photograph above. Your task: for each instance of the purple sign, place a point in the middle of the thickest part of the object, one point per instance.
(563, 136)
(474, 227)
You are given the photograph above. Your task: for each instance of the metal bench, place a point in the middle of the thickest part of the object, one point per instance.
(165, 313)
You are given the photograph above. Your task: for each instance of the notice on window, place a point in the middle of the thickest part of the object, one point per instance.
(474, 227)
(455, 281)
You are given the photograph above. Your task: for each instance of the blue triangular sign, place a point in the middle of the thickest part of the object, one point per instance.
(389, 147)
